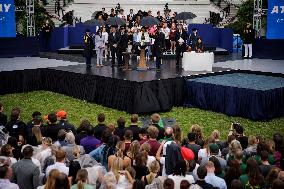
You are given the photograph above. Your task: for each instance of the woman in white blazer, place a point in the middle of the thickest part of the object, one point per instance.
(100, 46)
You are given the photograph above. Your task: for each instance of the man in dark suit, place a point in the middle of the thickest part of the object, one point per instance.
(112, 41)
(104, 14)
(122, 45)
(181, 37)
(88, 48)
(193, 38)
(159, 46)
(131, 18)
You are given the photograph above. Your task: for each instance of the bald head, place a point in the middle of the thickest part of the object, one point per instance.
(281, 175)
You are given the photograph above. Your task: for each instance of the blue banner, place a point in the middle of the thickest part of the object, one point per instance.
(7, 18)
(275, 19)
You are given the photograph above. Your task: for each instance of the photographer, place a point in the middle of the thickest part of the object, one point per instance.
(238, 131)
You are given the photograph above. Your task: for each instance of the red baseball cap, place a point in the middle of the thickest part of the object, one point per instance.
(61, 114)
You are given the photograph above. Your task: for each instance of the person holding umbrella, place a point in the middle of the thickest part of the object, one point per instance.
(159, 46)
(181, 37)
(88, 48)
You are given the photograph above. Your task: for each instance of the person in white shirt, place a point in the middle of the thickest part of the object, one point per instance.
(122, 15)
(45, 150)
(59, 164)
(180, 174)
(211, 178)
(6, 175)
(105, 34)
(166, 30)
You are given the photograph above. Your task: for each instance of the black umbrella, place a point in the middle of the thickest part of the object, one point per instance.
(115, 21)
(96, 14)
(149, 21)
(185, 16)
(95, 22)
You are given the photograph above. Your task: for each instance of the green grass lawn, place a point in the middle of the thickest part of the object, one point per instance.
(77, 110)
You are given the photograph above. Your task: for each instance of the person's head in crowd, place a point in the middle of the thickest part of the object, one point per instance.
(140, 159)
(239, 129)
(46, 142)
(199, 40)
(37, 133)
(154, 168)
(234, 171)
(138, 184)
(35, 114)
(111, 127)
(128, 135)
(264, 156)
(76, 152)
(81, 178)
(84, 126)
(236, 184)
(88, 32)
(217, 165)
(101, 118)
(168, 132)
(120, 147)
(62, 181)
(214, 149)
(184, 184)
(281, 175)
(104, 29)
(52, 118)
(134, 119)
(131, 171)
(180, 168)
(177, 133)
(153, 132)
(201, 172)
(7, 150)
(15, 114)
(121, 122)
(252, 140)
(207, 142)
(61, 115)
(28, 152)
(278, 140)
(191, 164)
(149, 13)
(270, 146)
(37, 121)
(194, 30)
(122, 30)
(109, 181)
(234, 146)
(60, 156)
(106, 135)
(61, 135)
(103, 10)
(216, 134)
(179, 26)
(131, 11)
(197, 130)
(158, 13)
(230, 138)
(165, 25)
(70, 138)
(169, 184)
(5, 170)
(261, 147)
(248, 25)
(253, 173)
(1, 107)
(117, 166)
(191, 137)
(272, 175)
(51, 179)
(238, 155)
(210, 167)
(112, 10)
(13, 142)
(143, 133)
(277, 184)
(99, 32)
(133, 149)
(91, 131)
(121, 11)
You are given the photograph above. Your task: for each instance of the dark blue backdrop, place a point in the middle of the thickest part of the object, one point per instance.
(7, 18)
(275, 19)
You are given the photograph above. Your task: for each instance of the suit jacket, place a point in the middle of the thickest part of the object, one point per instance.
(26, 174)
(122, 43)
(182, 35)
(113, 39)
(159, 44)
(193, 40)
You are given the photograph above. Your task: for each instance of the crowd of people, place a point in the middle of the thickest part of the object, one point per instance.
(49, 152)
(168, 37)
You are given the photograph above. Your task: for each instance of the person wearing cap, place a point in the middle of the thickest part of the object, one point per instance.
(160, 45)
(214, 151)
(64, 123)
(25, 172)
(122, 45)
(180, 38)
(193, 38)
(88, 48)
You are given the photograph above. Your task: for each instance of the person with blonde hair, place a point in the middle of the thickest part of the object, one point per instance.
(70, 139)
(154, 169)
(82, 178)
(50, 183)
(120, 146)
(123, 177)
(156, 121)
(133, 150)
(216, 135)
(145, 149)
(234, 146)
(252, 146)
(45, 150)
(195, 128)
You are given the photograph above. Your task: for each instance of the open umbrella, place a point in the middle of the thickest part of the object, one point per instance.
(115, 21)
(95, 22)
(96, 14)
(149, 21)
(185, 16)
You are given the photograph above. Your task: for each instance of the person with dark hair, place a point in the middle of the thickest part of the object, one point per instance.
(61, 138)
(3, 117)
(122, 45)
(62, 182)
(140, 165)
(138, 184)
(112, 40)
(52, 128)
(248, 37)
(233, 172)
(169, 184)
(90, 142)
(201, 173)
(25, 168)
(265, 167)
(199, 48)
(219, 172)
(6, 175)
(193, 37)
(179, 174)
(99, 129)
(16, 148)
(120, 129)
(160, 45)
(262, 146)
(88, 49)
(134, 126)
(128, 136)
(191, 144)
(184, 184)
(239, 132)
(15, 126)
(153, 133)
(253, 176)
(6, 151)
(236, 184)
(180, 39)
(279, 149)
(82, 130)
(64, 123)
(278, 184)
(100, 46)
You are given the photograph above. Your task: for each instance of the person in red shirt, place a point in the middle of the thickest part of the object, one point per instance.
(153, 134)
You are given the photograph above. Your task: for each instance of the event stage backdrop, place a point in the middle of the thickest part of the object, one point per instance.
(7, 18)
(275, 19)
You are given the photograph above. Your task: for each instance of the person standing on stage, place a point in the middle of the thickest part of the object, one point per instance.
(248, 40)
(159, 46)
(193, 38)
(88, 49)
(122, 45)
(46, 29)
(112, 40)
(181, 37)
(100, 46)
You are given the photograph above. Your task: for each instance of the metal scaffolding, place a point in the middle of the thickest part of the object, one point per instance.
(30, 10)
(258, 13)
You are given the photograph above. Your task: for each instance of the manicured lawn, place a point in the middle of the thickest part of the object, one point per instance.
(77, 110)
